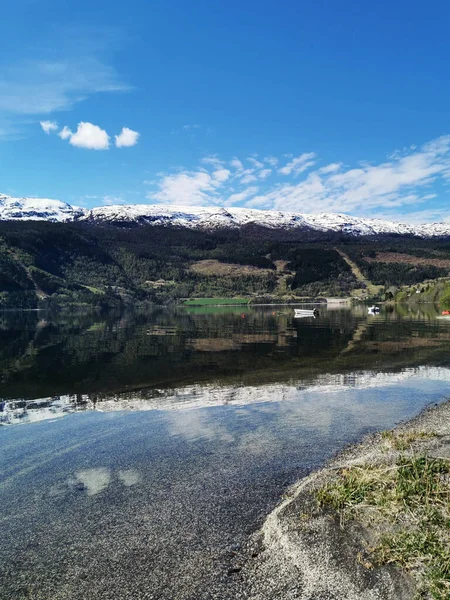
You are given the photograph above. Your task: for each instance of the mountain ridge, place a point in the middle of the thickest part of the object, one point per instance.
(210, 218)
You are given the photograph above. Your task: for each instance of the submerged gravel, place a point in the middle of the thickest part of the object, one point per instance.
(116, 509)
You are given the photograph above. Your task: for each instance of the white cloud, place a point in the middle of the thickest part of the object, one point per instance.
(89, 136)
(299, 164)
(127, 138)
(221, 174)
(65, 133)
(49, 126)
(188, 188)
(93, 137)
(401, 185)
(271, 160)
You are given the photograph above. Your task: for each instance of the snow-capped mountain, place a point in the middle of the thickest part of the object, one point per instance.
(234, 218)
(210, 218)
(36, 209)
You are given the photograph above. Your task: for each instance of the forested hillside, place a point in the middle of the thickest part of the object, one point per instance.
(45, 264)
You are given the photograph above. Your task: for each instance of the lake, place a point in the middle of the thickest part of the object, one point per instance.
(139, 451)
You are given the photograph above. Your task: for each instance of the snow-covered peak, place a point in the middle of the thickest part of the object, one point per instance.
(36, 209)
(210, 218)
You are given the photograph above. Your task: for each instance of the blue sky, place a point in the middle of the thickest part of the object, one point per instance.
(305, 106)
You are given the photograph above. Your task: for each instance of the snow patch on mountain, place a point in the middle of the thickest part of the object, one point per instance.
(210, 218)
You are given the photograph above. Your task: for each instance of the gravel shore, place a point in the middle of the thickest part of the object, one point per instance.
(304, 552)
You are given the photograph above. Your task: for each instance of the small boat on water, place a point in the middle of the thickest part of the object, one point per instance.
(305, 312)
(373, 310)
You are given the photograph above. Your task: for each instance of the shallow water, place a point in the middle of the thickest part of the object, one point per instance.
(138, 453)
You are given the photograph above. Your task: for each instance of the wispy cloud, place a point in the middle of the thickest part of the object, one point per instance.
(214, 161)
(331, 168)
(407, 183)
(248, 176)
(65, 133)
(221, 174)
(237, 164)
(264, 173)
(49, 126)
(255, 163)
(39, 87)
(192, 130)
(240, 196)
(398, 182)
(299, 164)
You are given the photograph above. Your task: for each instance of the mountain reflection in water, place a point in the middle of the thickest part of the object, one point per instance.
(171, 358)
(186, 427)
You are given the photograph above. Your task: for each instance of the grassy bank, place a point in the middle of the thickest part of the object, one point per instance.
(216, 302)
(436, 292)
(407, 505)
(374, 524)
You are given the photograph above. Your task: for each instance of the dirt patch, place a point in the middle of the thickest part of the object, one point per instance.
(398, 257)
(212, 267)
(281, 266)
(372, 288)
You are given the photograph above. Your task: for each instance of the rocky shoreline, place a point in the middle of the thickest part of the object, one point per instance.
(305, 552)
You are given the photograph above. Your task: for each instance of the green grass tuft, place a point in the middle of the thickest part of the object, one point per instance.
(410, 502)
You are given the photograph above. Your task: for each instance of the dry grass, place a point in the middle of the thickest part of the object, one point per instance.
(399, 440)
(399, 257)
(212, 267)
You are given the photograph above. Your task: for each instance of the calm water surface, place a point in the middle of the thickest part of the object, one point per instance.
(139, 452)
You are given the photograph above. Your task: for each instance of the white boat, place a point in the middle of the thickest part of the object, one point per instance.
(305, 312)
(373, 310)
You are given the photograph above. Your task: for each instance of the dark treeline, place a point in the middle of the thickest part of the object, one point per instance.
(49, 264)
